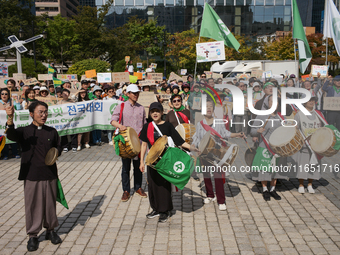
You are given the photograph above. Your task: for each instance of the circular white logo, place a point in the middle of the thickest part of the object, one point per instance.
(179, 167)
(265, 153)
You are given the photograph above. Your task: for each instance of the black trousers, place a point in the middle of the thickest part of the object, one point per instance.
(333, 118)
(66, 144)
(159, 192)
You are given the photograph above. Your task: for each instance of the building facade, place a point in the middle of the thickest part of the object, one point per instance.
(67, 8)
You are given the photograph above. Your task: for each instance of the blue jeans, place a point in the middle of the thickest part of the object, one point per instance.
(14, 147)
(137, 174)
(96, 136)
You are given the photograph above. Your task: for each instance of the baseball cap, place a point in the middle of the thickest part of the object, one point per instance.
(185, 85)
(292, 76)
(92, 85)
(132, 88)
(156, 105)
(84, 81)
(256, 84)
(337, 77)
(36, 87)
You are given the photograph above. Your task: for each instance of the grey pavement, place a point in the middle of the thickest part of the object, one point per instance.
(99, 223)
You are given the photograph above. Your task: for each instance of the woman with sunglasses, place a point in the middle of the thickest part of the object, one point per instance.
(29, 98)
(183, 115)
(5, 102)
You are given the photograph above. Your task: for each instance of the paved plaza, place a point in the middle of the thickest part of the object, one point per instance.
(99, 223)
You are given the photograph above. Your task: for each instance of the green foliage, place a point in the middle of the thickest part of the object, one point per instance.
(119, 66)
(280, 49)
(28, 68)
(80, 67)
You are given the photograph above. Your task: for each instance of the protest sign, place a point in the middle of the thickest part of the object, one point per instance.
(45, 77)
(184, 71)
(155, 76)
(185, 78)
(305, 77)
(165, 103)
(217, 76)
(3, 83)
(31, 81)
(139, 65)
(19, 76)
(332, 104)
(146, 98)
(257, 74)
(196, 103)
(70, 77)
(68, 119)
(3, 69)
(147, 83)
(127, 58)
(174, 76)
(208, 74)
(267, 74)
(120, 77)
(91, 73)
(49, 100)
(104, 77)
(210, 51)
(138, 75)
(153, 65)
(323, 70)
(83, 77)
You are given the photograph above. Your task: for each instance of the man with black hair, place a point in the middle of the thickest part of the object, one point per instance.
(40, 180)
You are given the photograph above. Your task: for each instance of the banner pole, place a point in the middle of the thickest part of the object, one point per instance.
(199, 39)
(326, 51)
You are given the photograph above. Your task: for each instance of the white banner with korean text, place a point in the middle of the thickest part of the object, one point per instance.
(68, 119)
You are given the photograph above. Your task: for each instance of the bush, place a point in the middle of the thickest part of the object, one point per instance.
(28, 68)
(80, 67)
(119, 66)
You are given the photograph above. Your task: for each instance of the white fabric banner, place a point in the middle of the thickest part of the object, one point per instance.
(73, 118)
(331, 27)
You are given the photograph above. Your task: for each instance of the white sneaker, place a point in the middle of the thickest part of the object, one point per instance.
(87, 146)
(207, 200)
(301, 190)
(111, 143)
(222, 207)
(65, 150)
(74, 149)
(310, 189)
(79, 148)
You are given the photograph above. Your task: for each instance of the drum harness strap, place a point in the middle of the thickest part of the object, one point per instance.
(185, 118)
(119, 137)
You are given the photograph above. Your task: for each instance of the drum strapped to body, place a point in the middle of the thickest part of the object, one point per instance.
(51, 156)
(186, 131)
(322, 142)
(286, 141)
(132, 147)
(212, 153)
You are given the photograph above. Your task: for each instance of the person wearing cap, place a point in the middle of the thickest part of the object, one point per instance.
(132, 115)
(66, 84)
(159, 189)
(43, 92)
(51, 89)
(257, 92)
(308, 124)
(332, 88)
(97, 93)
(36, 89)
(83, 96)
(202, 127)
(85, 84)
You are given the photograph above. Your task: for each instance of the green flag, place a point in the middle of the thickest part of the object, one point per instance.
(213, 27)
(50, 69)
(305, 54)
(176, 167)
(57, 82)
(60, 195)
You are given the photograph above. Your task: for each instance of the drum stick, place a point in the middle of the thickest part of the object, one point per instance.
(247, 143)
(145, 178)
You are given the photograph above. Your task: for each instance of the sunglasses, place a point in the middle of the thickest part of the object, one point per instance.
(176, 101)
(3, 94)
(203, 76)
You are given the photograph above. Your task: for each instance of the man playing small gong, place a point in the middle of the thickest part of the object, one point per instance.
(40, 180)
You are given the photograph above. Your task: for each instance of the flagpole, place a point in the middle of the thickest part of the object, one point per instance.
(199, 39)
(326, 51)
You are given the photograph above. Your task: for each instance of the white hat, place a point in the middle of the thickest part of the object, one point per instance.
(43, 88)
(97, 88)
(132, 88)
(36, 87)
(256, 84)
(92, 85)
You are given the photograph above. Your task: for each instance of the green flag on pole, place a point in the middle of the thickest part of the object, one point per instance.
(57, 82)
(213, 27)
(50, 69)
(305, 54)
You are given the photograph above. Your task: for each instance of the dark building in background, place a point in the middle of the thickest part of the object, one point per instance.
(25, 4)
(243, 17)
(66, 8)
(91, 3)
(310, 12)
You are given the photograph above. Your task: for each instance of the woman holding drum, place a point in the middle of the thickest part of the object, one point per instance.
(308, 125)
(221, 132)
(265, 125)
(159, 188)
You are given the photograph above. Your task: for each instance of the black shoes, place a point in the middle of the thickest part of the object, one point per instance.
(53, 236)
(164, 217)
(152, 215)
(266, 195)
(33, 244)
(275, 195)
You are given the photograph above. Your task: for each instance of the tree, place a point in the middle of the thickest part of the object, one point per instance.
(60, 45)
(80, 67)
(280, 49)
(28, 68)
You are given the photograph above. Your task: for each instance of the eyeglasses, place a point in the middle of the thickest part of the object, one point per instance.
(43, 113)
(203, 76)
(176, 101)
(3, 94)
(110, 91)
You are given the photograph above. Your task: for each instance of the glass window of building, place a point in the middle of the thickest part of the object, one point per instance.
(259, 10)
(239, 2)
(230, 2)
(129, 3)
(287, 10)
(237, 30)
(269, 2)
(159, 2)
(278, 11)
(169, 2)
(269, 11)
(119, 2)
(200, 2)
(179, 2)
(286, 20)
(237, 10)
(139, 2)
(258, 19)
(238, 20)
(259, 2)
(279, 2)
(147, 2)
(190, 2)
(220, 2)
(250, 2)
